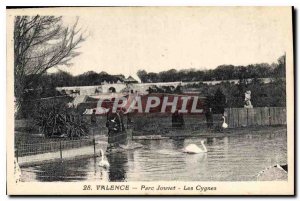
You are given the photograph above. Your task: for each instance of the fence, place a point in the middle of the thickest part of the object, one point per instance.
(48, 147)
(235, 117)
(34, 149)
(64, 148)
(30, 154)
(259, 116)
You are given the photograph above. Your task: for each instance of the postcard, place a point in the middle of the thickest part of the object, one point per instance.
(150, 101)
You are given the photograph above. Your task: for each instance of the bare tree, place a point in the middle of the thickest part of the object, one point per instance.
(41, 43)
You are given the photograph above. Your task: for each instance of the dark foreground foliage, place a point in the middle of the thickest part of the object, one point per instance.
(55, 119)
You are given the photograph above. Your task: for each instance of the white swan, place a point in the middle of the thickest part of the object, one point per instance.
(103, 163)
(224, 125)
(194, 149)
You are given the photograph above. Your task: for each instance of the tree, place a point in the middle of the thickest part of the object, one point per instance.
(142, 74)
(219, 102)
(41, 43)
(55, 119)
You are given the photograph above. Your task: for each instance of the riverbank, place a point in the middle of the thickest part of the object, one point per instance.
(183, 133)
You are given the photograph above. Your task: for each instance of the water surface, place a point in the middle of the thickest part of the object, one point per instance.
(234, 158)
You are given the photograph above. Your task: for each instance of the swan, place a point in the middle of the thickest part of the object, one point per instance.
(224, 125)
(103, 163)
(194, 149)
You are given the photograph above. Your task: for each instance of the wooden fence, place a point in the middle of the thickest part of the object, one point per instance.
(264, 116)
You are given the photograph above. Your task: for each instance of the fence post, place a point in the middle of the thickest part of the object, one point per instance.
(94, 142)
(60, 149)
(247, 117)
(238, 119)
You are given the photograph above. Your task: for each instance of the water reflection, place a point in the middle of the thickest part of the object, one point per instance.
(117, 161)
(61, 170)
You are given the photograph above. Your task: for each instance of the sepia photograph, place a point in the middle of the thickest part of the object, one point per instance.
(150, 100)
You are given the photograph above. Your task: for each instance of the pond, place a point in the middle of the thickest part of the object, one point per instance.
(233, 158)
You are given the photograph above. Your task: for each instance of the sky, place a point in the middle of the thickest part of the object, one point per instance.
(124, 40)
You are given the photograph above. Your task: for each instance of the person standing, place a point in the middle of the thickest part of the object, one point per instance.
(116, 129)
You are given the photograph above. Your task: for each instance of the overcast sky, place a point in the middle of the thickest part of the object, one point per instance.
(124, 40)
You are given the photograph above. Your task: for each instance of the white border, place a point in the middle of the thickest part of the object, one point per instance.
(3, 5)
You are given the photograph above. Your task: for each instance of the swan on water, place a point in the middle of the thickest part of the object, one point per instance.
(194, 149)
(224, 125)
(103, 163)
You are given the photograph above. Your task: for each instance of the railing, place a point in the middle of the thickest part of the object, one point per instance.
(30, 154)
(54, 146)
(64, 148)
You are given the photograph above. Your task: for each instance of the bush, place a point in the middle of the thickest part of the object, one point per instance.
(57, 120)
